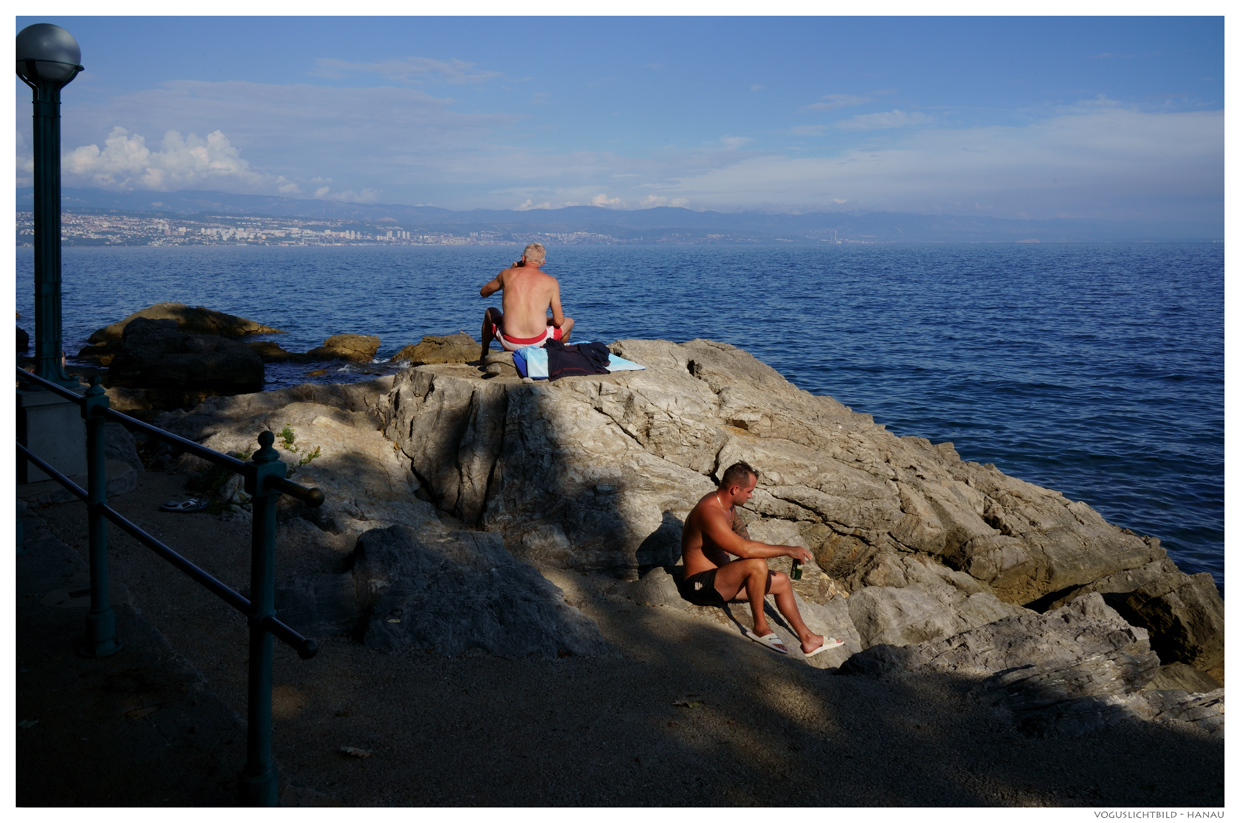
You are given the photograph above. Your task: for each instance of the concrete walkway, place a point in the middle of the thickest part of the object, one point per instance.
(137, 728)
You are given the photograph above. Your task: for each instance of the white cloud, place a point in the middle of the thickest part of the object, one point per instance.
(364, 196)
(530, 204)
(652, 200)
(387, 138)
(733, 143)
(604, 200)
(126, 163)
(884, 120)
(835, 101)
(407, 70)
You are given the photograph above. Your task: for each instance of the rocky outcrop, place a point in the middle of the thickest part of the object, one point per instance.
(913, 546)
(23, 340)
(450, 348)
(176, 369)
(356, 348)
(1185, 617)
(1063, 673)
(597, 473)
(630, 446)
(105, 342)
(413, 580)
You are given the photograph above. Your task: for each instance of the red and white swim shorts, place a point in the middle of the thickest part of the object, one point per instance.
(514, 343)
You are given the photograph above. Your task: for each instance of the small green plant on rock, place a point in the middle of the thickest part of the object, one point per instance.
(308, 457)
(288, 436)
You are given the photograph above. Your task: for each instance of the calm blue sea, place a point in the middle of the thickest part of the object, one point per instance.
(1096, 370)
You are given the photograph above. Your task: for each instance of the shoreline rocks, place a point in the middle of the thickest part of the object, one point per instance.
(105, 342)
(356, 348)
(449, 348)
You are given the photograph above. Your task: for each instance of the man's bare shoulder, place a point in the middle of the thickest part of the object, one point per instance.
(542, 278)
(702, 503)
(708, 508)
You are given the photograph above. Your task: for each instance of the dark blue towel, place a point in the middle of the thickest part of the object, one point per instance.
(569, 361)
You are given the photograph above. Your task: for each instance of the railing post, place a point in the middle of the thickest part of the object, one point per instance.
(258, 778)
(101, 621)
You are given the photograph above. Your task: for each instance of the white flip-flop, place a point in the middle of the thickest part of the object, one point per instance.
(191, 505)
(827, 643)
(771, 641)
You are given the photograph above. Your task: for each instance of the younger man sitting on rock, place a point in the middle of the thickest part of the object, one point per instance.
(528, 293)
(713, 532)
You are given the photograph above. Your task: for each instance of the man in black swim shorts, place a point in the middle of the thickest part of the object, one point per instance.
(700, 589)
(712, 532)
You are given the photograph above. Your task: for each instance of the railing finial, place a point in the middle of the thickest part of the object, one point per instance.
(266, 453)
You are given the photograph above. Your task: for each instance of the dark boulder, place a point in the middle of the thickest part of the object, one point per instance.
(1184, 615)
(107, 341)
(23, 339)
(177, 369)
(272, 352)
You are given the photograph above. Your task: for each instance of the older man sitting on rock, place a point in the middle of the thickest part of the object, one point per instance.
(713, 532)
(528, 293)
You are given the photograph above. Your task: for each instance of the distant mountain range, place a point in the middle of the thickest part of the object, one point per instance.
(633, 226)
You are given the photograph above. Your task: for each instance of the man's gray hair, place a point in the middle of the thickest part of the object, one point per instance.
(536, 252)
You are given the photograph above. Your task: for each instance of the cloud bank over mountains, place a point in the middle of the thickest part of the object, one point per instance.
(1095, 160)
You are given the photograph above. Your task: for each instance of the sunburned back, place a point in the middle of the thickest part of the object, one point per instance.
(527, 296)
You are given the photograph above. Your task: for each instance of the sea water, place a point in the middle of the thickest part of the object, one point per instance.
(1095, 370)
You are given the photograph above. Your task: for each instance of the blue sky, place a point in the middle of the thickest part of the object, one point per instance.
(1118, 118)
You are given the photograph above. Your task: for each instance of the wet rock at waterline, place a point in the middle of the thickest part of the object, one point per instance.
(356, 348)
(449, 348)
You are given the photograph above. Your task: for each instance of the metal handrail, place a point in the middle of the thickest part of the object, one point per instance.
(264, 482)
(304, 646)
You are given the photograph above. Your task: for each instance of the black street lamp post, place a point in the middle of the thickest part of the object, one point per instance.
(48, 58)
(50, 426)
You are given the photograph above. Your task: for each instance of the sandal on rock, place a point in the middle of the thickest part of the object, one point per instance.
(827, 643)
(771, 641)
(191, 505)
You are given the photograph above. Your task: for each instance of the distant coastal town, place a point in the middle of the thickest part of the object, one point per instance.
(129, 229)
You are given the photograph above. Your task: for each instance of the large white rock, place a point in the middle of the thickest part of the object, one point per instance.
(598, 473)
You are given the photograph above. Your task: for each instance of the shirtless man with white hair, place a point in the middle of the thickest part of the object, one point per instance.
(713, 532)
(528, 293)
